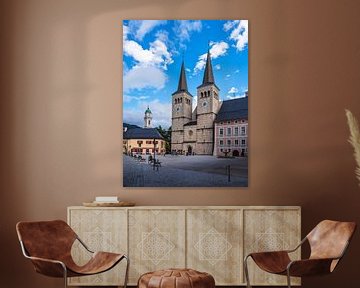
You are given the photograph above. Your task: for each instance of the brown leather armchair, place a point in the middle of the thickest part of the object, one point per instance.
(48, 245)
(328, 242)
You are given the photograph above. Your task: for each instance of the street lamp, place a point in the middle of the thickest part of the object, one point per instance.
(154, 154)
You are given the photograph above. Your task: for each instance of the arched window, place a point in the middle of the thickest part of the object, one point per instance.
(175, 101)
(208, 93)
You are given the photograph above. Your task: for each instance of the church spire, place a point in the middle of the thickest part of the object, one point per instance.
(182, 80)
(208, 74)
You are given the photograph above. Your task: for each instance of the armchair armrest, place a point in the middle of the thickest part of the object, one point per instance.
(49, 267)
(83, 244)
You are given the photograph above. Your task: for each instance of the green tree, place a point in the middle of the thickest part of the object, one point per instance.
(166, 134)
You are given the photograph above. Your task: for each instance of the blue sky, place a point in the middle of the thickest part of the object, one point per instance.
(153, 51)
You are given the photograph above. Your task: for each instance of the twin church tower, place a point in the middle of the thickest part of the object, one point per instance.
(193, 131)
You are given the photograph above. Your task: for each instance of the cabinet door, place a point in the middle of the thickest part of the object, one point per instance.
(214, 244)
(271, 230)
(100, 230)
(156, 240)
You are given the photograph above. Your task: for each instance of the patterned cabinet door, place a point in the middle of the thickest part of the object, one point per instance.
(101, 230)
(270, 230)
(156, 240)
(214, 244)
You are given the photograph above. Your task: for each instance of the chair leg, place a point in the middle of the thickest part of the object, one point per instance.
(246, 272)
(127, 271)
(288, 278)
(65, 276)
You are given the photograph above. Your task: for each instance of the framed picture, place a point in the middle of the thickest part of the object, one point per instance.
(185, 103)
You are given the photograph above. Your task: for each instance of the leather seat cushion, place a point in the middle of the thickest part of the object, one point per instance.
(176, 278)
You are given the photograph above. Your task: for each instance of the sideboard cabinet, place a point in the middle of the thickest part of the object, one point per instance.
(212, 239)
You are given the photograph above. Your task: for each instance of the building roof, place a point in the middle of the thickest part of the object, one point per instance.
(208, 78)
(191, 123)
(142, 133)
(233, 109)
(182, 86)
(208, 74)
(148, 110)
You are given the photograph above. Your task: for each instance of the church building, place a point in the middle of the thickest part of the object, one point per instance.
(193, 131)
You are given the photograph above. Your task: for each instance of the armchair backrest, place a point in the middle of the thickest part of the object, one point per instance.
(46, 239)
(329, 239)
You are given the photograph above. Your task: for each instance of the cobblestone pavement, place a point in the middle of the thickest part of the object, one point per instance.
(185, 171)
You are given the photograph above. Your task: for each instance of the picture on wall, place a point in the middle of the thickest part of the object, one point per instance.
(185, 103)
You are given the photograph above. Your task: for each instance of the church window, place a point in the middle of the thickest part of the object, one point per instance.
(228, 131)
(175, 101)
(202, 95)
(221, 132)
(208, 94)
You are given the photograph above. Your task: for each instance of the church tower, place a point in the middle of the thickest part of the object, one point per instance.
(147, 118)
(181, 112)
(208, 105)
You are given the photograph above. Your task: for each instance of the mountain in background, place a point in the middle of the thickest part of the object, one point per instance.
(130, 126)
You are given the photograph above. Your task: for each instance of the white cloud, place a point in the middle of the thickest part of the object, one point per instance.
(125, 32)
(237, 71)
(188, 70)
(127, 98)
(233, 90)
(236, 96)
(162, 35)
(184, 28)
(228, 75)
(140, 77)
(161, 113)
(217, 49)
(194, 103)
(217, 67)
(139, 28)
(148, 70)
(230, 24)
(156, 55)
(239, 33)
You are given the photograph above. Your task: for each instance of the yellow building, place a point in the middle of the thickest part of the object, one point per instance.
(143, 141)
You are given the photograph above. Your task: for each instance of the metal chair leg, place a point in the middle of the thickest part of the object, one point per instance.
(127, 271)
(65, 275)
(246, 272)
(288, 278)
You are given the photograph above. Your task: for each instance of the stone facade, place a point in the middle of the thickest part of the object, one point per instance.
(197, 132)
(193, 132)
